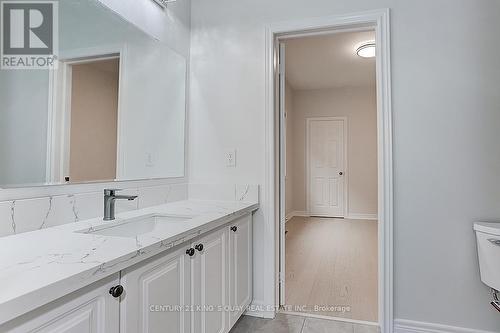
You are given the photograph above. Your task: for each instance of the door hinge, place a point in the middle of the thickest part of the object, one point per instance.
(281, 277)
(281, 68)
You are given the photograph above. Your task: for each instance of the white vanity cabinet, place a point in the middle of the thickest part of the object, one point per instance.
(240, 266)
(210, 283)
(202, 286)
(89, 310)
(157, 294)
(222, 277)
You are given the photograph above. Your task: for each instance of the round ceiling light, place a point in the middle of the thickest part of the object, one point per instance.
(367, 50)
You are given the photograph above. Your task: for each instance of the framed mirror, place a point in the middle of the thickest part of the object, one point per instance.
(114, 108)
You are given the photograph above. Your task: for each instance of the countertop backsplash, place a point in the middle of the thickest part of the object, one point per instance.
(224, 192)
(24, 215)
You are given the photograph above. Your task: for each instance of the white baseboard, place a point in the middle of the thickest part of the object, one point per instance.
(362, 217)
(409, 326)
(296, 213)
(345, 320)
(354, 216)
(259, 310)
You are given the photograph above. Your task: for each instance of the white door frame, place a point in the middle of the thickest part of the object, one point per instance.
(282, 167)
(379, 21)
(346, 164)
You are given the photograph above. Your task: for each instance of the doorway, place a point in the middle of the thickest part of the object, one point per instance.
(378, 20)
(84, 123)
(94, 120)
(329, 110)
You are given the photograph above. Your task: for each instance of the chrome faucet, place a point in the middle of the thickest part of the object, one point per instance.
(109, 203)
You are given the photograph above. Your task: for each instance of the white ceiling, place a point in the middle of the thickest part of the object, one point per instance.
(329, 61)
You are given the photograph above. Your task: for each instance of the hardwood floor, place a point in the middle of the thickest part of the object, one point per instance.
(331, 267)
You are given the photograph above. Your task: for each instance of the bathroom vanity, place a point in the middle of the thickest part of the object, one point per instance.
(111, 112)
(184, 266)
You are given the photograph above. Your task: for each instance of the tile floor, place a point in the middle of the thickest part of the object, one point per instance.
(296, 324)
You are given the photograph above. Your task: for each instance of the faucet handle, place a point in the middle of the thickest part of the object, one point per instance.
(111, 192)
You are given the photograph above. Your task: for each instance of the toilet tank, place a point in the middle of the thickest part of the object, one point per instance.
(488, 249)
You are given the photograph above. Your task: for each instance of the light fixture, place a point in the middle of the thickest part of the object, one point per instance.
(163, 3)
(366, 50)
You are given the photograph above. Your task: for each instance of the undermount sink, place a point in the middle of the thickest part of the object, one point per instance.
(137, 226)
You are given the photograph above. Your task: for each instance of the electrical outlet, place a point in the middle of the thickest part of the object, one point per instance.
(231, 158)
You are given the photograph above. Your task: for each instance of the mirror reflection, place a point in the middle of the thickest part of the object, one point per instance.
(113, 109)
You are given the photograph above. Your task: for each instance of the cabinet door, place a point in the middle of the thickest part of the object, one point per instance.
(89, 310)
(157, 294)
(210, 284)
(240, 266)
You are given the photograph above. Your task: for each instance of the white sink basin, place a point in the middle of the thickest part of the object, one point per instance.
(137, 226)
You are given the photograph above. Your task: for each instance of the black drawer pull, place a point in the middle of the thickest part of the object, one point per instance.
(116, 291)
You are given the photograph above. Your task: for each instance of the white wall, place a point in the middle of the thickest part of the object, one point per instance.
(446, 134)
(359, 105)
(22, 140)
(170, 25)
(153, 112)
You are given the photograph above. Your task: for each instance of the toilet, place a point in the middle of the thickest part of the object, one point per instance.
(488, 248)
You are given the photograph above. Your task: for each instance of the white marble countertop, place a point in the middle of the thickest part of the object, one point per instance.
(40, 266)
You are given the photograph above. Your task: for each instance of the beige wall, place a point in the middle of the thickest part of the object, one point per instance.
(94, 109)
(359, 106)
(289, 150)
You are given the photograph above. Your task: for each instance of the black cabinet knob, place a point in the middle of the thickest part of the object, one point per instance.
(235, 228)
(341, 173)
(199, 247)
(190, 252)
(116, 291)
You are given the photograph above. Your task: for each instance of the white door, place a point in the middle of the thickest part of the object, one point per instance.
(89, 310)
(240, 266)
(209, 284)
(326, 163)
(157, 295)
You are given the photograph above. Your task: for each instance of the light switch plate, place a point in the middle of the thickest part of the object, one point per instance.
(230, 157)
(150, 160)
